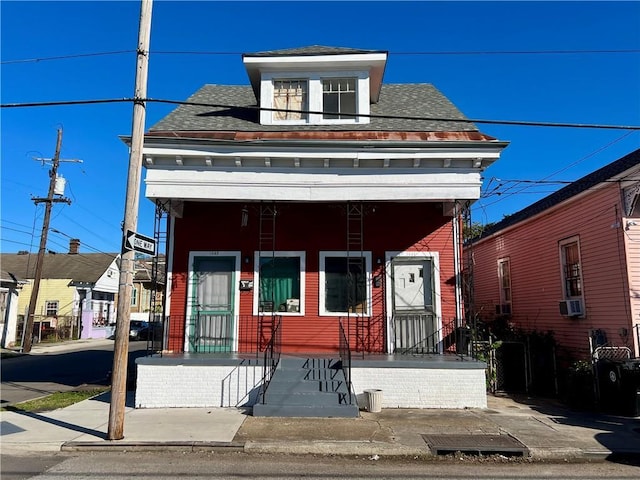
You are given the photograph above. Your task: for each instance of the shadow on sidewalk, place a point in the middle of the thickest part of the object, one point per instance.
(617, 433)
(60, 423)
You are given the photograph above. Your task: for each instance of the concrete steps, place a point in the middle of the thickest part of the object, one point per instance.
(307, 387)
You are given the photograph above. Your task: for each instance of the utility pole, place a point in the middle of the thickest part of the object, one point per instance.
(49, 201)
(121, 348)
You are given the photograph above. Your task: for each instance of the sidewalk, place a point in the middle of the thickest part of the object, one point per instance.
(546, 430)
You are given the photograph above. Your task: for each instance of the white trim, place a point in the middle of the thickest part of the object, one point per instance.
(256, 278)
(561, 244)
(169, 283)
(321, 297)
(321, 185)
(434, 257)
(236, 289)
(457, 264)
(314, 97)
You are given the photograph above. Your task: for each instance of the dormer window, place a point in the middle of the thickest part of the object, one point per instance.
(332, 86)
(290, 98)
(314, 99)
(339, 98)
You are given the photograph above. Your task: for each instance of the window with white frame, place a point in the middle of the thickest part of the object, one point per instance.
(290, 99)
(51, 308)
(504, 279)
(339, 98)
(134, 296)
(315, 98)
(280, 282)
(344, 283)
(571, 269)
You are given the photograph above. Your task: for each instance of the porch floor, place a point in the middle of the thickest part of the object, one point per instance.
(358, 360)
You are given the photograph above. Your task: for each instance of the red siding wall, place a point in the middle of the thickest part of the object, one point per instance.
(310, 228)
(533, 250)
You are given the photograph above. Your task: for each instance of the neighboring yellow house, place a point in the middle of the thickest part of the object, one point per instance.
(76, 297)
(144, 288)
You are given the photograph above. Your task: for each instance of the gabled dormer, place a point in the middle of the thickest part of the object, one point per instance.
(316, 85)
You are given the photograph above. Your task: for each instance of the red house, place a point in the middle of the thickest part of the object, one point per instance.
(568, 264)
(315, 198)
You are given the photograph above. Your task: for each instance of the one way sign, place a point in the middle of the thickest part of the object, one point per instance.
(139, 243)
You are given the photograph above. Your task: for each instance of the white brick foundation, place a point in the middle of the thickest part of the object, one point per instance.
(422, 388)
(198, 385)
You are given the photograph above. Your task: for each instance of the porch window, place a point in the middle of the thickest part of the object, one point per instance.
(571, 269)
(344, 283)
(51, 308)
(290, 95)
(339, 98)
(280, 282)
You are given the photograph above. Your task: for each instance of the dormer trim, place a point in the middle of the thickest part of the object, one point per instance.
(374, 62)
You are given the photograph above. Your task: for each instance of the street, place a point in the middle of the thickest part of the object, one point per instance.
(38, 374)
(209, 465)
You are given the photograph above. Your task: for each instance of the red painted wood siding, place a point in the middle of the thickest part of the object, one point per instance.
(533, 250)
(310, 228)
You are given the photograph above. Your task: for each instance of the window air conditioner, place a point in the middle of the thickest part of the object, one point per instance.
(571, 308)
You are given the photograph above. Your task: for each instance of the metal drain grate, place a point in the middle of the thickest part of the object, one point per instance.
(475, 444)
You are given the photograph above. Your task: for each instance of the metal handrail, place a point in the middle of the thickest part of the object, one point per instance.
(345, 358)
(271, 357)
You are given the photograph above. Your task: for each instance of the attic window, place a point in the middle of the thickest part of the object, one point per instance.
(339, 98)
(290, 95)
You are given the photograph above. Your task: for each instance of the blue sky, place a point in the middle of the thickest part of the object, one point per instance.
(428, 42)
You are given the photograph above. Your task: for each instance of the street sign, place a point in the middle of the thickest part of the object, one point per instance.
(139, 243)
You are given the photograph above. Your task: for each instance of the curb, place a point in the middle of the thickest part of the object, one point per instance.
(120, 446)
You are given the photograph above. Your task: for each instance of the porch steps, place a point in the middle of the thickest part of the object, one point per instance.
(307, 387)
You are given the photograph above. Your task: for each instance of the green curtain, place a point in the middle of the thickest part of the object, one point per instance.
(279, 281)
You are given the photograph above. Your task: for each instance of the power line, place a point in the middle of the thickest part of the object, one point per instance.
(419, 53)
(391, 117)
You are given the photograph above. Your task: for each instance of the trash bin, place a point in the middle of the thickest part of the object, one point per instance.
(619, 386)
(374, 400)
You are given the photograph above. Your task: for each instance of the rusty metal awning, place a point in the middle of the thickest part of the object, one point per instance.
(480, 444)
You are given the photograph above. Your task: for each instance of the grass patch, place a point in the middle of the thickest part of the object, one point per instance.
(55, 401)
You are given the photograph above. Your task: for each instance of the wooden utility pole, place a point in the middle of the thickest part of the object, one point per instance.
(49, 201)
(121, 347)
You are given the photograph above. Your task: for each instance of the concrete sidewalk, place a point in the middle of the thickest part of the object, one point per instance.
(545, 429)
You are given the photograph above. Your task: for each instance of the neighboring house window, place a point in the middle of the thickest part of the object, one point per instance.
(571, 270)
(339, 98)
(504, 277)
(290, 95)
(51, 308)
(134, 296)
(344, 283)
(280, 279)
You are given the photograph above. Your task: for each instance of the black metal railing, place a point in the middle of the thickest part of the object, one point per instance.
(271, 357)
(419, 334)
(206, 333)
(345, 359)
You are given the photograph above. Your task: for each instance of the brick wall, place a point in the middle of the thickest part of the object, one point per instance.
(228, 386)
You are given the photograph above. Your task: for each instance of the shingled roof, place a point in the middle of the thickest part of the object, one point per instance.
(81, 268)
(234, 108)
(311, 50)
(581, 185)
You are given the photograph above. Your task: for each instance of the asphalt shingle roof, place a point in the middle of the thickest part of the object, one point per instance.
(588, 181)
(311, 50)
(396, 100)
(82, 267)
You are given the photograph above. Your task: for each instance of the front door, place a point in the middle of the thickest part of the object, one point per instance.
(414, 320)
(212, 326)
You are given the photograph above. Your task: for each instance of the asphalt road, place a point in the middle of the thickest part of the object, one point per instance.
(35, 375)
(199, 466)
